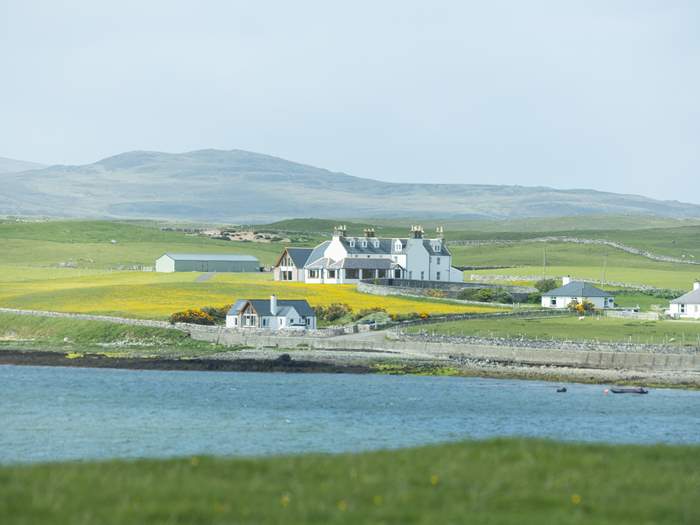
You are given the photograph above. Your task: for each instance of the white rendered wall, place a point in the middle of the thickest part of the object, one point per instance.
(165, 264)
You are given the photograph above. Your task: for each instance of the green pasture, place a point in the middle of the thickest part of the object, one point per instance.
(505, 481)
(571, 328)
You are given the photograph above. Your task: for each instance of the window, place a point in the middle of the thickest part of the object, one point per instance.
(410, 274)
(437, 261)
(422, 276)
(381, 274)
(352, 274)
(376, 243)
(364, 244)
(553, 301)
(313, 274)
(351, 242)
(682, 308)
(264, 322)
(331, 274)
(438, 276)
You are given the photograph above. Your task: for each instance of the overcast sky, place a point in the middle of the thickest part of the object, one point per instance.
(568, 94)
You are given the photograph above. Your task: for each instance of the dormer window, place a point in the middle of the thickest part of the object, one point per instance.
(364, 244)
(351, 242)
(397, 246)
(376, 243)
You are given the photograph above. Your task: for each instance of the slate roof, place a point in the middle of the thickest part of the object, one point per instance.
(385, 246)
(262, 306)
(317, 252)
(211, 257)
(299, 255)
(688, 298)
(442, 251)
(577, 289)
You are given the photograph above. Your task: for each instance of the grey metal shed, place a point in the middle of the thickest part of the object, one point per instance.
(206, 262)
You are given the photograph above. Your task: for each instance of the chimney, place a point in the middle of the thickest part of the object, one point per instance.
(369, 232)
(565, 280)
(440, 232)
(696, 285)
(417, 231)
(339, 231)
(273, 304)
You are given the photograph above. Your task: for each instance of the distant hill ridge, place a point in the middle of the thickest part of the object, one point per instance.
(241, 186)
(13, 165)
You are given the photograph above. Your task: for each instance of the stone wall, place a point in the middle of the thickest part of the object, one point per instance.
(407, 287)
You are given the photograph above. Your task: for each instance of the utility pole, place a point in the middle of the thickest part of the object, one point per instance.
(605, 267)
(544, 262)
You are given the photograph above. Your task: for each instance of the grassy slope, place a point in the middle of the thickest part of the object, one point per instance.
(501, 481)
(70, 335)
(571, 328)
(577, 261)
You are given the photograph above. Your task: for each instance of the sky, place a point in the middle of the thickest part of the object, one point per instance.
(575, 94)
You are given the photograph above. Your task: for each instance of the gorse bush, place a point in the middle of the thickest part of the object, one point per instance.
(218, 313)
(193, 316)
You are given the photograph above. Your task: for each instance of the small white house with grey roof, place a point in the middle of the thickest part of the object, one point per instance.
(345, 259)
(206, 262)
(687, 306)
(271, 314)
(578, 291)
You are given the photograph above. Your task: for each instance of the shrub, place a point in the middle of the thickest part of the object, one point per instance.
(545, 285)
(193, 316)
(367, 311)
(433, 292)
(217, 313)
(586, 307)
(534, 298)
(486, 295)
(332, 312)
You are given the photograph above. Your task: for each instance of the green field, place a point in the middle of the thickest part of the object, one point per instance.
(516, 482)
(569, 328)
(578, 261)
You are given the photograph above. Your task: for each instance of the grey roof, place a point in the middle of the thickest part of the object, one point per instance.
(688, 298)
(367, 264)
(385, 246)
(577, 289)
(429, 247)
(299, 255)
(317, 252)
(262, 306)
(211, 257)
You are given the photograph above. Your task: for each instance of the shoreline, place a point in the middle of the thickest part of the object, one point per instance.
(331, 362)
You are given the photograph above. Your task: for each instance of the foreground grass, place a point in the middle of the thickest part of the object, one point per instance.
(500, 481)
(70, 335)
(572, 328)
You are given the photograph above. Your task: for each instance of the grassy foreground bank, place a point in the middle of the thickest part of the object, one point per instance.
(500, 481)
(25, 332)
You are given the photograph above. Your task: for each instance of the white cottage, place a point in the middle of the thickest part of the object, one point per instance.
(346, 259)
(271, 315)
(687, 306)
(577, 291)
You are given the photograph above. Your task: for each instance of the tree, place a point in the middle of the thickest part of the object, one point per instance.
(545, 285)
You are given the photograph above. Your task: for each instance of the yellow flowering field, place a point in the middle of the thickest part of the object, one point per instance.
(155, 295)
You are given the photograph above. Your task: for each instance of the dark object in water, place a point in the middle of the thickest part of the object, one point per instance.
(561, 390)
(630, 390)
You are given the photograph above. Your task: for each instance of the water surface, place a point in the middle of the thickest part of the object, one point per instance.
(54, 413)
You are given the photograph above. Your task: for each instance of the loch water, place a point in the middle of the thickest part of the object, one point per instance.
(56, 414)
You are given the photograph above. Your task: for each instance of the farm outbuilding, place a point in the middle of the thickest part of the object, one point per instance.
(206, 262)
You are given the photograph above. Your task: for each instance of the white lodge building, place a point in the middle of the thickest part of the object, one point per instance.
(687, 306)
(349, 259)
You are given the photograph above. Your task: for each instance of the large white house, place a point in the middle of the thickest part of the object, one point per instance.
(577, 291)
(271, 315)
(687, 305)
(346, 259)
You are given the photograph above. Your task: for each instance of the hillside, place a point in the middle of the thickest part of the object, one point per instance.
(240, 186)
(12, 165)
